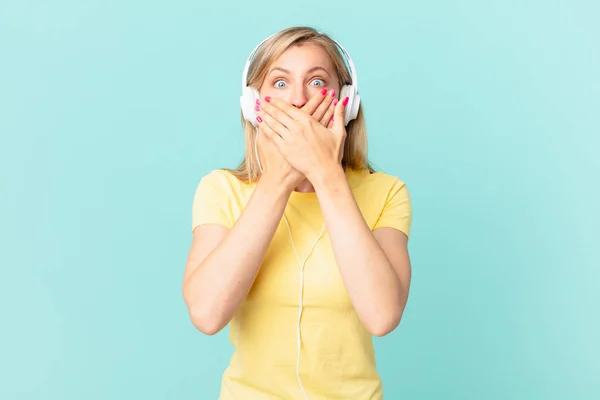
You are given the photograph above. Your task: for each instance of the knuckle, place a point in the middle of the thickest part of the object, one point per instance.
(296, 128)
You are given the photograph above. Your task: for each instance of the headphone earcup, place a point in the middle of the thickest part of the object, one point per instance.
(355, 107)
(248, 102)
(351, 111)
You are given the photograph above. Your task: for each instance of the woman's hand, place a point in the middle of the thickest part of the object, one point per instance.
(275, 166)
(322, 106)
(305, 143)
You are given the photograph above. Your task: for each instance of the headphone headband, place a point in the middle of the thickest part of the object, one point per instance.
(348, 59)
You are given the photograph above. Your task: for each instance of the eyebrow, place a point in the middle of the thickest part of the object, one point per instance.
(313, 69)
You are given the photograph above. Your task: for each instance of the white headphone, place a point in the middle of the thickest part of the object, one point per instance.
(250, 94)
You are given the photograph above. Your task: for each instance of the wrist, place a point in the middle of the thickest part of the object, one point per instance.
(276, 183)
(327, 176)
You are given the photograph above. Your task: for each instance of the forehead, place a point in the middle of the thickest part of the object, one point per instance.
(302, 57)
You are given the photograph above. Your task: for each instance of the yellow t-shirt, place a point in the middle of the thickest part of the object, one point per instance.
(337, 359)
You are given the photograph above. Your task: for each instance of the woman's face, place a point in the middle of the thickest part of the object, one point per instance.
(299, 73)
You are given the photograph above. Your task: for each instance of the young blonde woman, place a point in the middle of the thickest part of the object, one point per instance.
(302, 248)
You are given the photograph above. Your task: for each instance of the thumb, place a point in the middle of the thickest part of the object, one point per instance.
(338, 116)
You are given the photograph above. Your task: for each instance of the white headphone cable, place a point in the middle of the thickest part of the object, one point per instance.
(300, 306)
(302, 264)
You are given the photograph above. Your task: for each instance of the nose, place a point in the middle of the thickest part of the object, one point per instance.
(298, 96)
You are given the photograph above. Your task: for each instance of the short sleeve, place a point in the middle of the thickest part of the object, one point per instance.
(209, 205)
(397, 211)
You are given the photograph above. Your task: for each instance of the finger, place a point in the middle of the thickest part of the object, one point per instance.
(282, 111)
(268, 119)
(269, 132)
(324, 106)
(277, 112)
(330, 124)
(338, 116)
(314, 102)
(329, 113)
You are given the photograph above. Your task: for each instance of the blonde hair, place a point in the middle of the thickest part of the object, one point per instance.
(355, 155)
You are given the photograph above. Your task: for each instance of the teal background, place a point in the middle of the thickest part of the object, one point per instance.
(112, 111)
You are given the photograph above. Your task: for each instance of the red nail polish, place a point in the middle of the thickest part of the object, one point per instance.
(257, 108)
(346, 101)
(332, 92)
(257, 101)
(331, 118)
(335, 102)
(324, 91)
(267, 99)
(259, 119)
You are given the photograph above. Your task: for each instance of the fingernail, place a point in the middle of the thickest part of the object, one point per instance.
(346, 101)
(332, 93)
(259, 119)
(257, 108)
(335, 102)
(324, 91)
(331, 118)
(267, 99)
(257, 101)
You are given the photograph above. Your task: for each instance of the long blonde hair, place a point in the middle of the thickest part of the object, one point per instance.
(355, 148)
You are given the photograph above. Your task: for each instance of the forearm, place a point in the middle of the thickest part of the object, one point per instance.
(221, 282)
(373, 286)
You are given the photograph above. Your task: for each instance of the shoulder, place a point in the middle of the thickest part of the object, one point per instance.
(379, 182)
(384, 200)
(380, 190)
(218, 176)
(221, 179)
